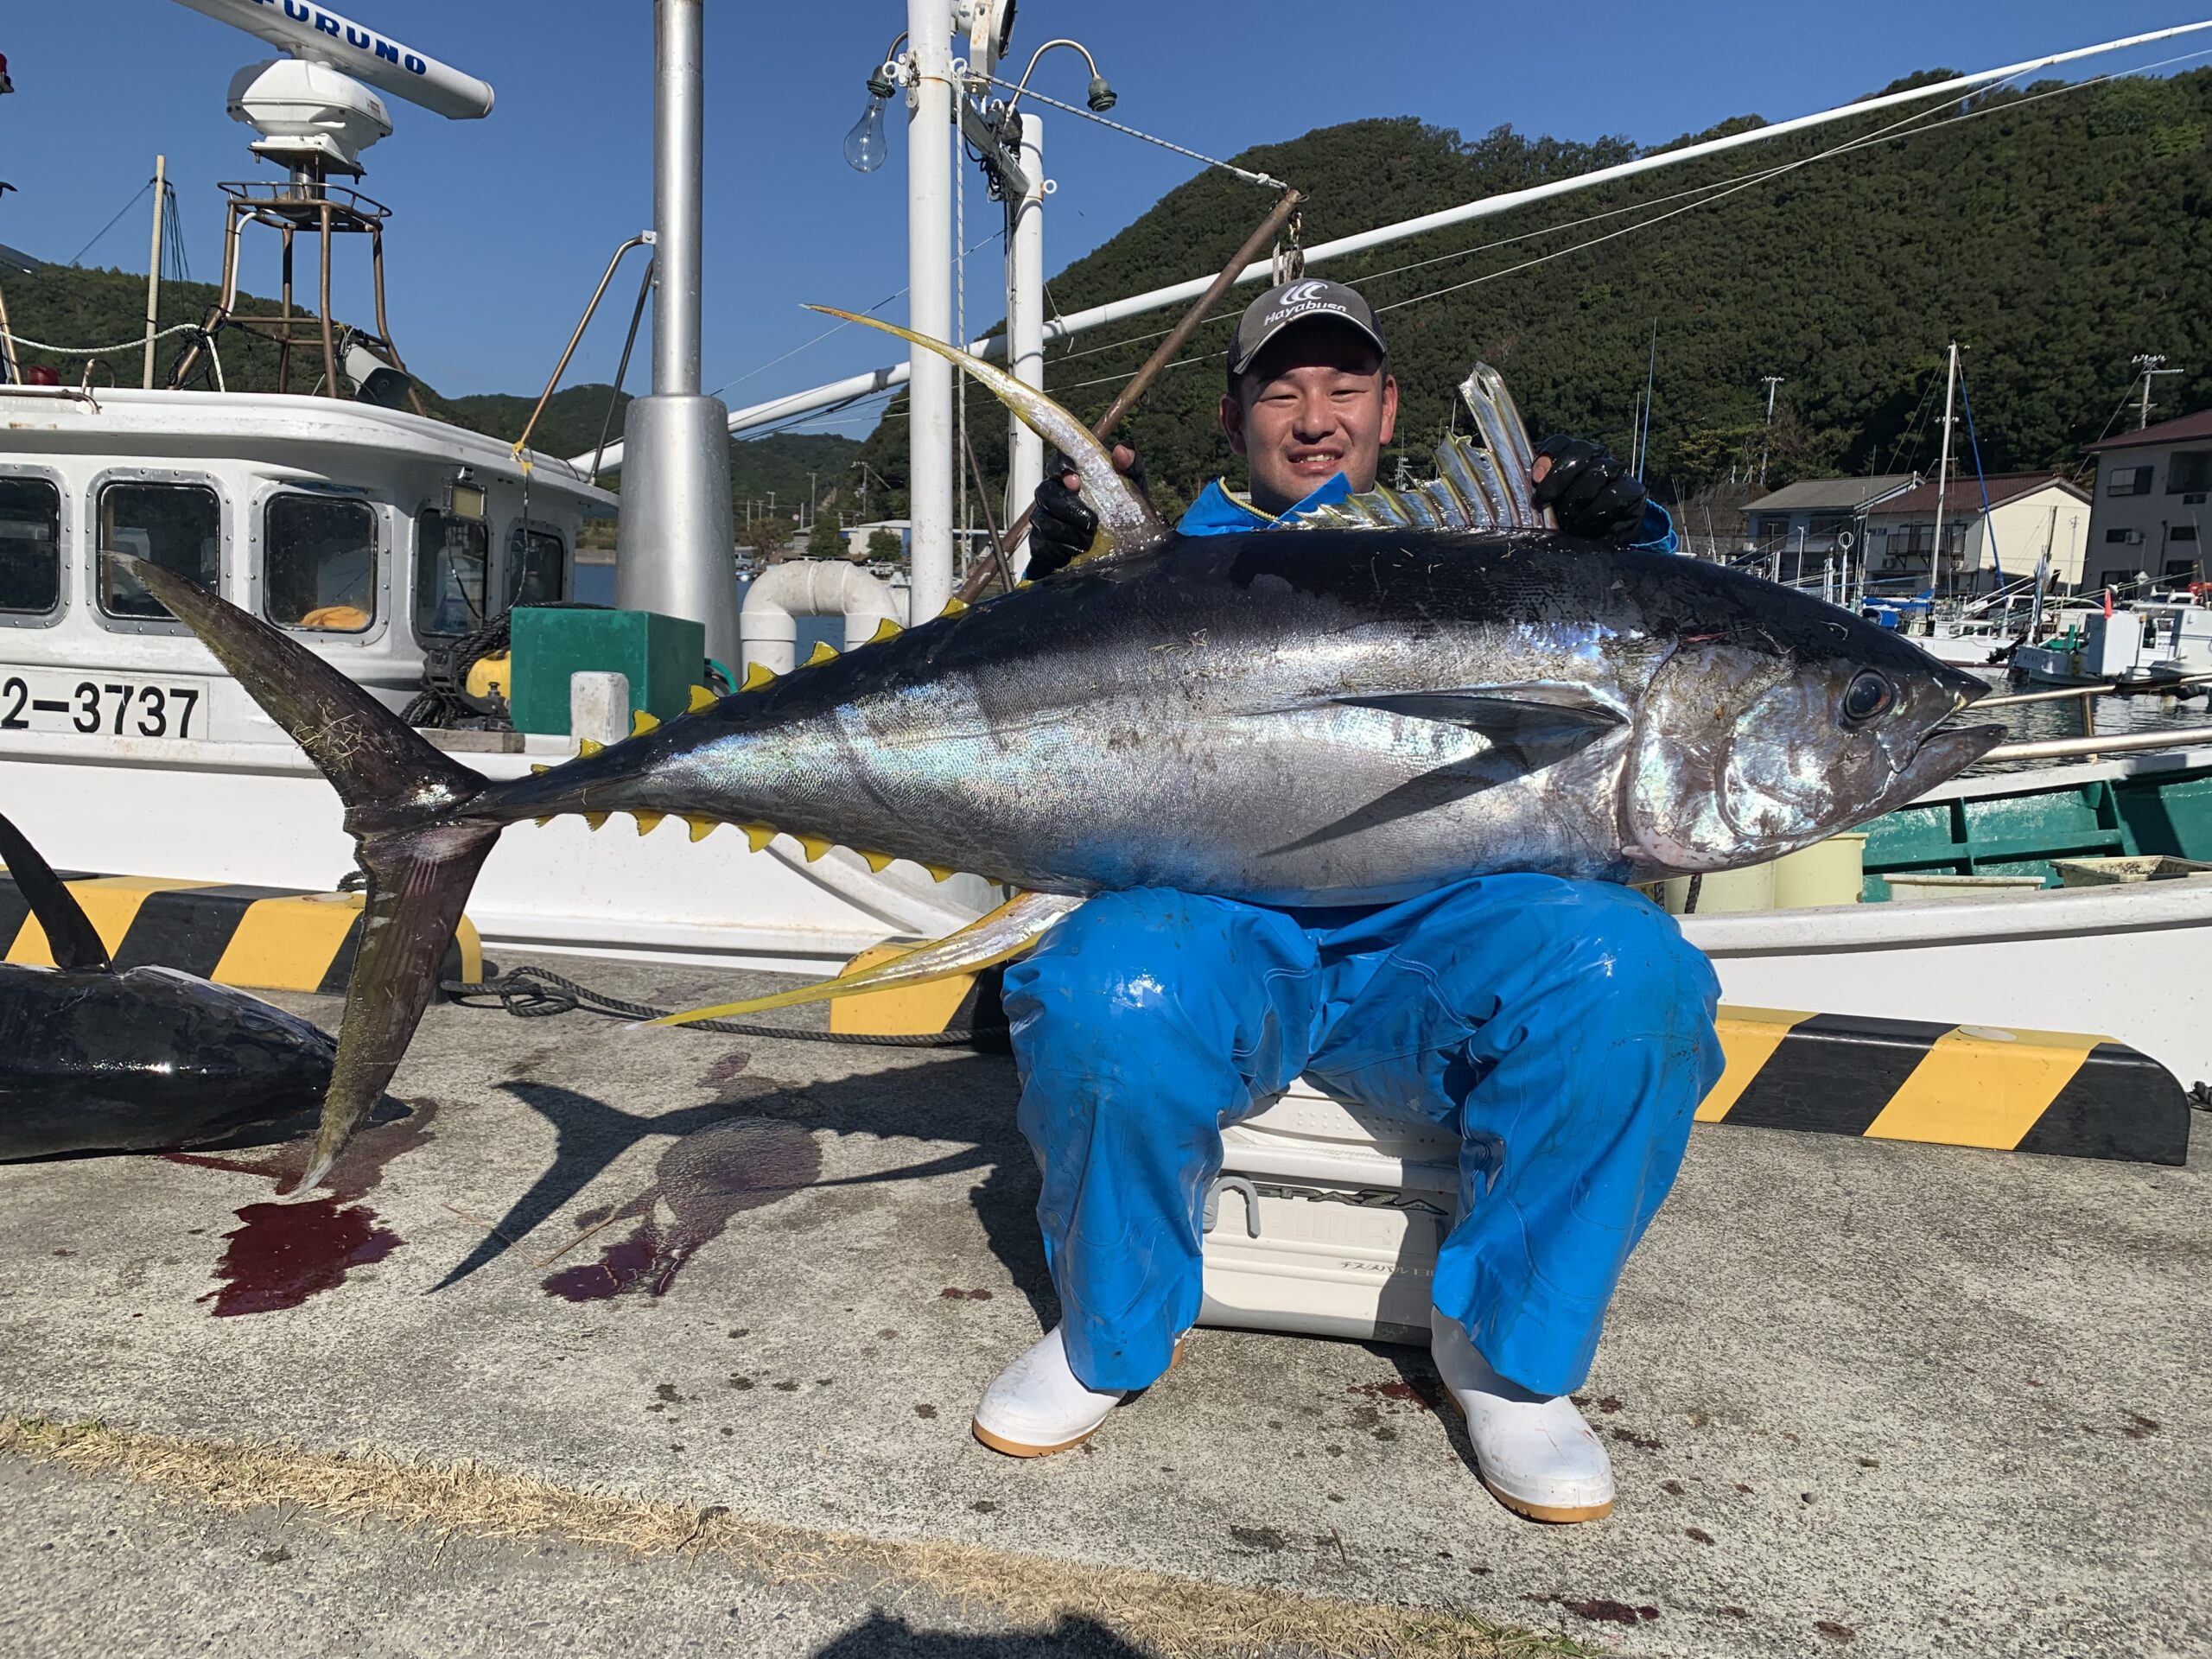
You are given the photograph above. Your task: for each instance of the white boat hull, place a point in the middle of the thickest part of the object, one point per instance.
(258, 814)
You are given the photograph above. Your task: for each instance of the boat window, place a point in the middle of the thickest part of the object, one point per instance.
(450, 555)
(30, 546)
(537, 567)
(177, 526)
(319, 560)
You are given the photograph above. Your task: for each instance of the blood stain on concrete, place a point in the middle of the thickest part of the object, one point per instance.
(281, 1254)
(701, 1182)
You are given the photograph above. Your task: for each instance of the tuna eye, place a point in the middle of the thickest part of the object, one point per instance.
(1867, 696)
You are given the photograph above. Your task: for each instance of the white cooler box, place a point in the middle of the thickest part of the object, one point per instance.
(1326, 1221)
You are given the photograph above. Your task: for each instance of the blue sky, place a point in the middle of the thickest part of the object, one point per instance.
(503, 225)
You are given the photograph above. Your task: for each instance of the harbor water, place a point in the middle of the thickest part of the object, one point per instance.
(2062, 716)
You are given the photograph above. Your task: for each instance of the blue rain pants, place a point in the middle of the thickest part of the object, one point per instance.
(1563, 1027)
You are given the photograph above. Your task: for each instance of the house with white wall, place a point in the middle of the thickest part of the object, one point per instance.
(2150, 516)
(1996, 529)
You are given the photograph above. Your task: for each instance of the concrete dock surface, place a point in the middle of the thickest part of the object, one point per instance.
(645, 1342)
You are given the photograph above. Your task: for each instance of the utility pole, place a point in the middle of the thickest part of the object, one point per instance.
(154, 266)
(2150, 364)
(1769, 381)
(813, 506)
(1943, 462)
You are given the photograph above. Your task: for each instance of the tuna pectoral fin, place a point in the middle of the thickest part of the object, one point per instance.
(1005, 933)
(404, 800)
(1127, 519)
(1527, 728)
(71, 938)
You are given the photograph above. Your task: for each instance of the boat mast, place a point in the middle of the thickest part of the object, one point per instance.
(1943, 464)
(929, 459)
(675, 547)
(154, 268)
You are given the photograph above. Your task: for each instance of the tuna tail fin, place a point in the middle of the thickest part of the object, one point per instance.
(1127, 519)
(71, 938)
(404, 802)
(1005, 933)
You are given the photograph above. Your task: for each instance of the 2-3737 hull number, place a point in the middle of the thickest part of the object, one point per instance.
(103, 706)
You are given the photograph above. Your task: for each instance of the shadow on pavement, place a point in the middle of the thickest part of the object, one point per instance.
(725, 1156)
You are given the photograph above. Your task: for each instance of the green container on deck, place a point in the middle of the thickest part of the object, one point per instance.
(663, 655)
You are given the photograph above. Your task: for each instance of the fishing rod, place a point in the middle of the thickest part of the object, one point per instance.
(883, 379)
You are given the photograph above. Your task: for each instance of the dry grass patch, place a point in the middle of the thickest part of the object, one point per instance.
(1175, 1618)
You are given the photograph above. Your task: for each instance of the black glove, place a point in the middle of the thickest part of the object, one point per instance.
(1591, 492)
(1062, 525)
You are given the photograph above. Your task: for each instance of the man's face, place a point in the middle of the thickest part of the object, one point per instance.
(1318, 402)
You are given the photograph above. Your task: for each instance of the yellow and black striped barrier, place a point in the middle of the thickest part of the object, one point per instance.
(259, 938)
(2015, 1091)
(2050, 1091)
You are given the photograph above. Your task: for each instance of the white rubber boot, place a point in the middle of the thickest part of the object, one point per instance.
(1536, 1454)
(1037, 1406)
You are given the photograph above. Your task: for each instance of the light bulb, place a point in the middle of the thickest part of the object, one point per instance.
(865, 147)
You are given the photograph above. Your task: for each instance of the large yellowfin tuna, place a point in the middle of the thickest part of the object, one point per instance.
(1343, 715)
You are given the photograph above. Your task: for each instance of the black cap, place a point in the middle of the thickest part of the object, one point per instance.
(1295, 303)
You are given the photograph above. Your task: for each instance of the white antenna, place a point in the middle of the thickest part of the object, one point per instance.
(313, 108)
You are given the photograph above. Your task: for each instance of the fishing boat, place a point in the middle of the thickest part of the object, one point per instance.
(2138, 643)
(378, 534)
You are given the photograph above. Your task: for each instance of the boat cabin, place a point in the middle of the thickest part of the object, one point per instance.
(372, 535)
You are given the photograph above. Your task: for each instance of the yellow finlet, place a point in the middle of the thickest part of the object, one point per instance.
(641, 722)
(595, 819)
(953, 606)
(702, 699)
(885, 630)
(701, 827)
(547, 819)
(939, 873)
(647, 821)
(755, 677)
(536, 769)
(757, 836)
(586, 748)
(821, 653)
(815, 846)
(877, 861)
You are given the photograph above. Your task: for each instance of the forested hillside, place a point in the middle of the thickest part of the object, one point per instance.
(67, 305)
(2054, 237)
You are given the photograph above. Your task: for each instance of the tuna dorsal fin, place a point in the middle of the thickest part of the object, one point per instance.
(71, 938)
(1125, 518)
(1004, 933)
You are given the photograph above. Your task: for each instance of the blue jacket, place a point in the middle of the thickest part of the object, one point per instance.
(1217, 512)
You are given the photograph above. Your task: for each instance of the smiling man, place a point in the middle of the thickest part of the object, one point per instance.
(1562, 1028)
(1310, 402)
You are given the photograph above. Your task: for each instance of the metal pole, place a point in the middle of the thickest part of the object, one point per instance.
(929, 307)
(2070, 748)
(679, 103)
(154, 268)
(676, 550)
(1943, 465)
(1025, 314)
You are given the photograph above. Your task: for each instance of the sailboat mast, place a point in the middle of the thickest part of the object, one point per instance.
(1943, 462)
